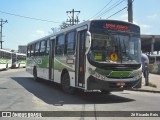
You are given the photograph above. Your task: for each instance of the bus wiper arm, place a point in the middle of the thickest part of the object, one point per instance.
(124, 47)
(120, 48)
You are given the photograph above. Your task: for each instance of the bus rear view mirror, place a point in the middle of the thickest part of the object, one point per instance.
(88, 41)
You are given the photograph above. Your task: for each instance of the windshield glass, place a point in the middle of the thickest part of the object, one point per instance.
(116, 49)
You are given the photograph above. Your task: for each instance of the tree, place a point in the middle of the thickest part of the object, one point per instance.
(64, 25)
(55, 29)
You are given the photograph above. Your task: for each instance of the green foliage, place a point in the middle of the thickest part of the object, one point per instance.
(64, 25)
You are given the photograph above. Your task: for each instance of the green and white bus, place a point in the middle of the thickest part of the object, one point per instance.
(100, 55)
(18, 60)
(154, 64)
(5, 59)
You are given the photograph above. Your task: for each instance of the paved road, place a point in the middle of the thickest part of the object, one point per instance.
(19, 92)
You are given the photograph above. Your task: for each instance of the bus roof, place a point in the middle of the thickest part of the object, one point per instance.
(154, 55)
(85, 23)
(22, 54)
(5, 50)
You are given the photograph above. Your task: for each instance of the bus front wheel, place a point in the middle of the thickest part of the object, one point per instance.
(66, 84)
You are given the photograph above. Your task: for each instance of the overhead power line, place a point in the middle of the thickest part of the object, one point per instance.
(117, 12)
(101, 9)
(112, 7)
(120, 10)
(43, 20)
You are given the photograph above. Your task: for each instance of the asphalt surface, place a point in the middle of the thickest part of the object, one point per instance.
(19, 92)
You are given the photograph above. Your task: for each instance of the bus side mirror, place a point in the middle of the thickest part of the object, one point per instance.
(88, 41)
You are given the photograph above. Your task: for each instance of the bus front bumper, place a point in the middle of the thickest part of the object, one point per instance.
(119, 85)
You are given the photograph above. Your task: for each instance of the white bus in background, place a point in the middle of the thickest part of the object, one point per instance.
(18, 60)
(154, 64)
(5, 59)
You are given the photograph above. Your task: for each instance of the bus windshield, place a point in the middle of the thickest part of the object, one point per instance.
(115, 49)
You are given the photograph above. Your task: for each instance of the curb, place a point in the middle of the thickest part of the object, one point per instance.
(144, 90)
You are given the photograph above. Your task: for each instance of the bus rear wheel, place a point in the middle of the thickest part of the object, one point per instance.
(66, 84)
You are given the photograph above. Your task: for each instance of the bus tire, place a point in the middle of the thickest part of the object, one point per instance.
(35, 74)
(139, 85)
(66, 84)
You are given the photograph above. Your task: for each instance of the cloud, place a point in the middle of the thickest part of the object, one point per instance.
(145, 26)
(135, 22)
(152, 16)
(41, 33)
(38, 34)
(124, 16)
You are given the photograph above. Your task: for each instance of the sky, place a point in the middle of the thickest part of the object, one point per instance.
(20, 30)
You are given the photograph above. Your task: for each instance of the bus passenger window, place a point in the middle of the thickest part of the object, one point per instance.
(28, 51)
(60, 45)
(47, 47)
(42, 48)
(32, 50)
(70, 43)
(37, 49)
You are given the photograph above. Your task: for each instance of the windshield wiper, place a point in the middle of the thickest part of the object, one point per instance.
(124, 47)
(120, 48)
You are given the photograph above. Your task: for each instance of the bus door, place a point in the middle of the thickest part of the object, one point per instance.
(80, 59)
(51, 59)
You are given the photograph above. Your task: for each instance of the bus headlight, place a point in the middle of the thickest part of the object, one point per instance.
(92, 72)
(97, 75)
(102, 77)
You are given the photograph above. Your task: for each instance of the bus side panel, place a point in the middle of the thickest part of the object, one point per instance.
(2, 66)
(43, 73)
(60, 64)
(9, 65)
(42, 67)
(29, 65)
(72, 78)
(22, 65)
(57, 76)
(29, 69)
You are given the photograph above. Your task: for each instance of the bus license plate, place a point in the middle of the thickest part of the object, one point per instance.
(121, 84)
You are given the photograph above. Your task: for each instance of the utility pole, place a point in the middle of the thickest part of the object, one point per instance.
(130, 11)
(1, 25)
(71, 15)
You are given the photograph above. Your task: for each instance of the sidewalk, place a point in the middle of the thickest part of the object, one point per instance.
(154, 79)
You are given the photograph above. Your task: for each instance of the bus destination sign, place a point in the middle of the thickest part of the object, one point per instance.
(98, 26)
(117, 27)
